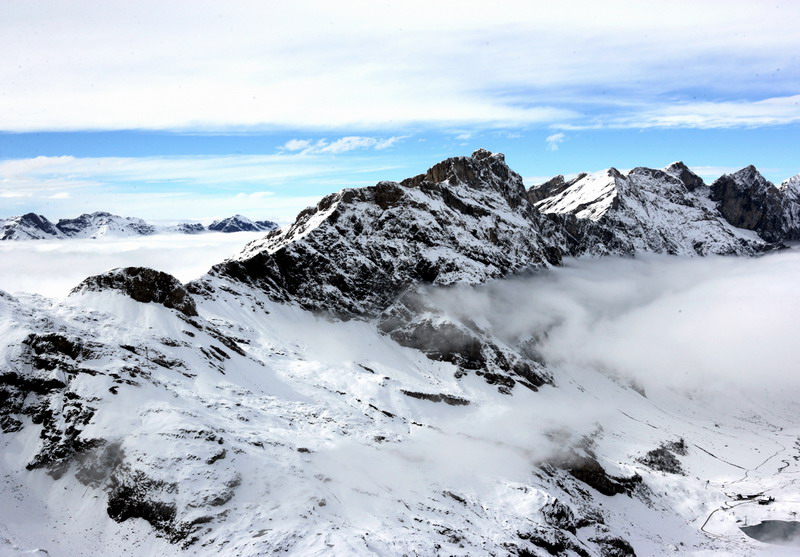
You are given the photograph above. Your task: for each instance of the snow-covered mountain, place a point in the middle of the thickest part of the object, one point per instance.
(467, 220)
(239, 223)
(29, 226)
(353, 385)
(102, 224)
(98, 224)
(643, 210)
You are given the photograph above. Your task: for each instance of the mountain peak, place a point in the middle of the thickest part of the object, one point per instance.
(484, 170)
(682, 172)
(29, 226)
(240, 223)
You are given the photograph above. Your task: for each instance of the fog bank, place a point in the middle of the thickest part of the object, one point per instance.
(53, 267)
(687, 322)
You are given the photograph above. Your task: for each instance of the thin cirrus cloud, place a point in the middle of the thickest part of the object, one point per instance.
(704, 115)
(342, 145)
(191, 187)
(310, 65)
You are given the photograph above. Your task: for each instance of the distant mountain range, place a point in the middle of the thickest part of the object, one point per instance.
(100, 224)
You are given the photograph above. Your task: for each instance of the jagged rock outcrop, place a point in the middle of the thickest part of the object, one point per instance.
(682, 172)
(748, 200)
(552, 187)
(143, 285)
(466, 220)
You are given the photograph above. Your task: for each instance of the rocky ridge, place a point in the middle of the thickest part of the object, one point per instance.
(102, 224)
(466, 220)
(644, 210)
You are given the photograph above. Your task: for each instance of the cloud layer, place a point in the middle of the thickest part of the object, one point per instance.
(316, 65)
(694, 324)
(54, 267)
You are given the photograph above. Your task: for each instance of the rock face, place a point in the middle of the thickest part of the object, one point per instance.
(29, 226)
(98, 224)
(643, 210)
(552, 187)
(748, 200)
(143, 285)
(239, 223)
(466, 220)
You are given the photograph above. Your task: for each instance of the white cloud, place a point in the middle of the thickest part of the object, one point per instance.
(700, 324)
(708, 114)
(84, 65)
(296, 145)
(53, 267)
(554, 140)
(341, 145)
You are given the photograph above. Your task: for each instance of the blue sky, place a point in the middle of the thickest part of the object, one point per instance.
(199, 110)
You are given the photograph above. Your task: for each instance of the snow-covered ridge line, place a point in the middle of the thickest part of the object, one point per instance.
(675, 203)
(31, 226)
(470, 219)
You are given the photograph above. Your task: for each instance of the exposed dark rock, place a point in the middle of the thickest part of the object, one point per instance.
(663, 458)
(614, 547)
(188, 228)
(558, 515)
(689, 179)
(748, 200)
(449, 399)
(133, 494)
(143, 285)
(590, 472)
(644, 210)
(554, 542)
(414, 321)
(552, 187)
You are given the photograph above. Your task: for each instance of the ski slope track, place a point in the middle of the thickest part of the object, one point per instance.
(330, 391)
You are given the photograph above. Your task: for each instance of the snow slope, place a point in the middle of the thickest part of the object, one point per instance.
(328, 437)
